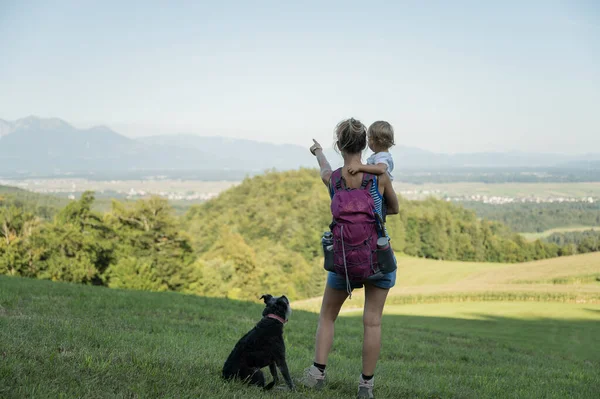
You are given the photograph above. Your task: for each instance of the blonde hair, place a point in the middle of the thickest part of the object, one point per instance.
(350, 136)
(382, 134)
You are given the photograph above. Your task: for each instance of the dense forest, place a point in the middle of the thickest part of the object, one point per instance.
(263, 235)
(578, 241)
(536, 218)
(43, 206)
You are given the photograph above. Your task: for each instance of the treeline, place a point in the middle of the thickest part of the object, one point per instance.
(289, 211)
(441, 230)
(577, 242)
(260, 236)
(536, 218)
(44, 206)
(139, 246)
(143, 245)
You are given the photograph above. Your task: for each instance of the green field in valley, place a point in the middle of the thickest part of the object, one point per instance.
(515, 190)
(571, 279)
(451, 330)
(548, 233)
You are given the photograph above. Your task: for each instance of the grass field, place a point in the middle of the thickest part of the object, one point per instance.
(515, 190)
(537, 327)
(442, 338)
(548, 233)
(568, 279)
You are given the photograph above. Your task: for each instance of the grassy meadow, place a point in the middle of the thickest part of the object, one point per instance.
(516, 190)
(451, 330)
(548, 233)
(569, 279)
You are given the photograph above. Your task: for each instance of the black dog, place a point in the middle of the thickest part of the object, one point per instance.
(261, 347)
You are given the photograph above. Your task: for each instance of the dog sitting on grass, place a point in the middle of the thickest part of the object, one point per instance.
(261, 347)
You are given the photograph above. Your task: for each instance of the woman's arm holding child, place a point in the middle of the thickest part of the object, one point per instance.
(390, 196)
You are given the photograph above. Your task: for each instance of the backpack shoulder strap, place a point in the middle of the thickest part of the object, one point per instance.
(368, 181)
(336, 181)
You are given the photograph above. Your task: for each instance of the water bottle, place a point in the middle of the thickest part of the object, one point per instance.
(327, 243)
(385, 255)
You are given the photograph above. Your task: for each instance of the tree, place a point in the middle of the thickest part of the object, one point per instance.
(17, 228)
(77, 246)
(148, 231)
(230, 248)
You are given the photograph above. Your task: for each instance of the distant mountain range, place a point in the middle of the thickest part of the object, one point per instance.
(51, 146)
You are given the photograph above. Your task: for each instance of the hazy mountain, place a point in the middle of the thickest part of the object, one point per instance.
(52, 146)
(35, 145)
(410, 158)
(239, 154)
(5, 128)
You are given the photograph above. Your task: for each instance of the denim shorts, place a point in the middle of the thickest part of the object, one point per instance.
(338, 282)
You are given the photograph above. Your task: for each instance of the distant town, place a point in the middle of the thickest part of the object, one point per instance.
(495, 200)
(200, 191)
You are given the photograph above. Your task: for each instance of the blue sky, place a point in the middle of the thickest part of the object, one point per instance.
(450, 76)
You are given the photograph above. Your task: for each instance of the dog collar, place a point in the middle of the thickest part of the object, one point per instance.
(274, 316)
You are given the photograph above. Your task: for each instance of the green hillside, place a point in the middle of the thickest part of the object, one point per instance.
(44, 206)
(291, 210)
(277, 219)
(259, 236)
(69, 340)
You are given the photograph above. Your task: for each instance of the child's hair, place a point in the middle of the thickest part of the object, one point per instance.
(382, 134)
(351, 136)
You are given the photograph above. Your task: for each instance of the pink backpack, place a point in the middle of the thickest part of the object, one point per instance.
(355, 227)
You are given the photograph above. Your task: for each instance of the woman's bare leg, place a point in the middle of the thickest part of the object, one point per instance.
(330, 308)
(374, 301)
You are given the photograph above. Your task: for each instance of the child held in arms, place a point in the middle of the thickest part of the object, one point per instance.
(380, 139)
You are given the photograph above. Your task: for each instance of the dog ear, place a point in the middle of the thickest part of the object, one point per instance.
(266, 297)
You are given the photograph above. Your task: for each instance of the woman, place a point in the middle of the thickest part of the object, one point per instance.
(351, 141)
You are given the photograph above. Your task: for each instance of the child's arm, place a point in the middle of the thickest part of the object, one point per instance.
(379, 169)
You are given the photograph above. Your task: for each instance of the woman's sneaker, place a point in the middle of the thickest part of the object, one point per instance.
(365, 388)
(313, 378)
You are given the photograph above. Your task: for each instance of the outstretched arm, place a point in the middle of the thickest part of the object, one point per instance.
(326, 171)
